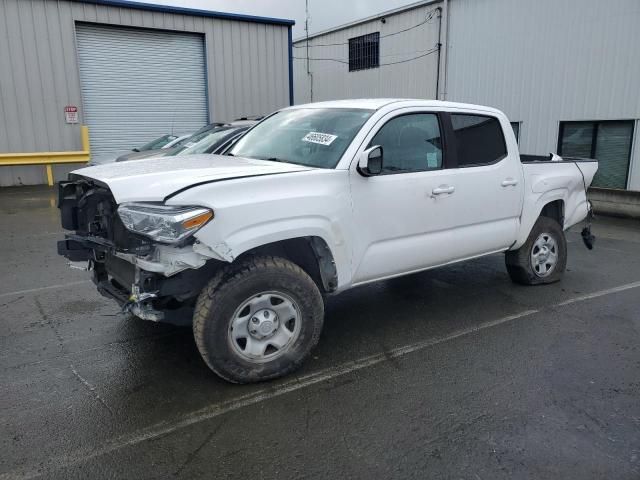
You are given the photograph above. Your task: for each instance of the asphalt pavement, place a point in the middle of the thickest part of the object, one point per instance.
(452, 373)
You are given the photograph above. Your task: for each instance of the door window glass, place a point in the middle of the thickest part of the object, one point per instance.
(410, 143)
(479, 139)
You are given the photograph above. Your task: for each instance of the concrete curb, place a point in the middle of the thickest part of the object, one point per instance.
(615, 203)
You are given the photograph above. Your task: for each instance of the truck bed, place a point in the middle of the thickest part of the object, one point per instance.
(525, 158)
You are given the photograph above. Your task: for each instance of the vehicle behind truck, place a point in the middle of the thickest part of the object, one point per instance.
(314, 200)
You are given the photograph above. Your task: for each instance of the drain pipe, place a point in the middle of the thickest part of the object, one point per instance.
(445, 53)
(439, 45)
(309, 74)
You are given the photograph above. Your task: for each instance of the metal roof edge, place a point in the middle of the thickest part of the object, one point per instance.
(190, 11)
(371, 18)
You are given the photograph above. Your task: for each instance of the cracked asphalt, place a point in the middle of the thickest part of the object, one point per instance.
(452, 373)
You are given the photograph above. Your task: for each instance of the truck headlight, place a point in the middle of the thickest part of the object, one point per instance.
(163, 223)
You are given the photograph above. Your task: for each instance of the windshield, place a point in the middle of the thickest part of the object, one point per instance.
(316, 137)
(182, 142)
(209, 141)
(157, 143)
(196, 137)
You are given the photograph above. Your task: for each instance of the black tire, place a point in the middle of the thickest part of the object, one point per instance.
(519, 262)
(223, 296)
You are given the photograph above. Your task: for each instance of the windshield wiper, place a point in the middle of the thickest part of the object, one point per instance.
(279, 160)
(272, 159)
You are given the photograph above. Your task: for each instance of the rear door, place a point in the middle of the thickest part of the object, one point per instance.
(487, 181)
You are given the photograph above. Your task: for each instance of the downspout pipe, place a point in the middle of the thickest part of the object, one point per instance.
(439, 45)
(290, 66)
(306, 29)
(445, 60)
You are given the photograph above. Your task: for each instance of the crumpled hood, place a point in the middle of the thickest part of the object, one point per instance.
(155, 178)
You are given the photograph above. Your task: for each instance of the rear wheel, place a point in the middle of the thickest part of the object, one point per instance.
(259, 321)
(543, 257)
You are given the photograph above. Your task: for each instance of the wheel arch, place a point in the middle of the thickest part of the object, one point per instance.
(311, 253)
(555, 210)
(551, 205)
(316, 243)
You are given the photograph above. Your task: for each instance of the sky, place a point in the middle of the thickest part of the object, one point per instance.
(323, 14)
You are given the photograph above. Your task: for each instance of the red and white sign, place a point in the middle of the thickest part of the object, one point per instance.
(71, 114)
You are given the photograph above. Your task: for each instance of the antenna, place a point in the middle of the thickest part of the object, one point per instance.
(173, 118)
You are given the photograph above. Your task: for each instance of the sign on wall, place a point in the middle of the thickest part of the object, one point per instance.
(71, 114)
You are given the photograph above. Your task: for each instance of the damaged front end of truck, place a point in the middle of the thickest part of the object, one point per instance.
(143, 255)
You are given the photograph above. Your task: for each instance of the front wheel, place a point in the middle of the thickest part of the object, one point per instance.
(260, 321)
(543, 257)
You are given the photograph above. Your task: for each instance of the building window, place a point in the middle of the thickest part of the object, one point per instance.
(479, 139)
(364, 52)
(609, 142)
(516, 130)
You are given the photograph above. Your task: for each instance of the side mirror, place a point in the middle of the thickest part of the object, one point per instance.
(135, 149)
(370, 161)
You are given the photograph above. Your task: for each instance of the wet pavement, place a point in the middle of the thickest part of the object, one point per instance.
(452, 373)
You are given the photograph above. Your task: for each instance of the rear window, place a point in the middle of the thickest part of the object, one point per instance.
(479, 139)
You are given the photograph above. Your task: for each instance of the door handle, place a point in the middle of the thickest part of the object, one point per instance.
(509, 182)
(442, 190)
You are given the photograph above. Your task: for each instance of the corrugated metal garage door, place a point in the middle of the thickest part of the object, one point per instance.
(138, 85)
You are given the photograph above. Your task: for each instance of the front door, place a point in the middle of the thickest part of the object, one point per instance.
(398, 221)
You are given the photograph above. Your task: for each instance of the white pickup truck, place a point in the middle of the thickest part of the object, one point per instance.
(312, 201)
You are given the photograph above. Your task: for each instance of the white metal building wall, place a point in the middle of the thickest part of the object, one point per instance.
(546, 61)
(139, 84)
(401, 74)
(542, 62)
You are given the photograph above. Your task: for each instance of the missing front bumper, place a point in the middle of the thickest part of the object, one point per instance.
(140, 305)
(149, 295)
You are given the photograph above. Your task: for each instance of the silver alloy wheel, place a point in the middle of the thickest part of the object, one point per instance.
(544, 255)
(265, 326)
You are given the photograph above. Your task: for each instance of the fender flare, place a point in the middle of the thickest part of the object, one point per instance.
(323, 236)
(528, 220)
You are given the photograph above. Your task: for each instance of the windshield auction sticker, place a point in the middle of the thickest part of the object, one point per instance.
(320, 138)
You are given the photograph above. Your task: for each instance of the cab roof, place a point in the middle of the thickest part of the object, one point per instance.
(378, 103)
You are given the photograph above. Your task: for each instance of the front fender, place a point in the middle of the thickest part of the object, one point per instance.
(256, 211)
(262, 233)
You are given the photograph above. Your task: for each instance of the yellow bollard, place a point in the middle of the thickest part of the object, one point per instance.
(48, 159)
(84, 135)
(49, 175)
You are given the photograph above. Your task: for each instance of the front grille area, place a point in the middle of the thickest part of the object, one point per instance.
(91, 211)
